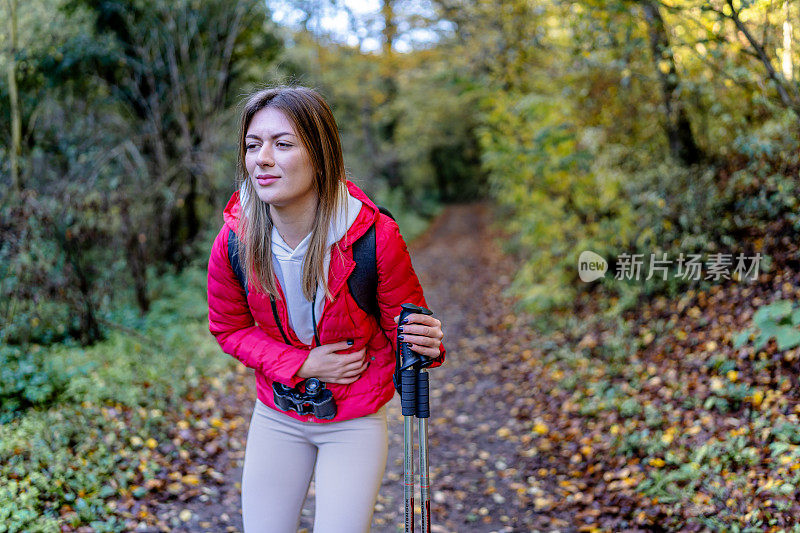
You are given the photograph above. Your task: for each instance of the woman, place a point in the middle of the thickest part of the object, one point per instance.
(295, 218)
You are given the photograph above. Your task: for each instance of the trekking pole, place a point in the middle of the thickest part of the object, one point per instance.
(414, 402)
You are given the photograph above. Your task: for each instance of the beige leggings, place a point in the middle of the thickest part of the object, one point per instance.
(347, 459)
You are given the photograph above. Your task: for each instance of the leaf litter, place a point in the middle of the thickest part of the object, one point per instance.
(652, 421)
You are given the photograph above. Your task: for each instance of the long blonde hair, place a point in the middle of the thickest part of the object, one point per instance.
(314, 123)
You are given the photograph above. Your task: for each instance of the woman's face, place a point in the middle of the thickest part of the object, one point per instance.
(277, 162)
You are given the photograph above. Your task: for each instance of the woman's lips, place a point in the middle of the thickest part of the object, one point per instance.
(266, 179)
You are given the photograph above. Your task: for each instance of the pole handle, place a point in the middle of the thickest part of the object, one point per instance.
(409, 364)
(422, 403)
(408, 392)
(407, 357)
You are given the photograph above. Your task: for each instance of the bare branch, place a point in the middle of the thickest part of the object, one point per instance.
(762, 56)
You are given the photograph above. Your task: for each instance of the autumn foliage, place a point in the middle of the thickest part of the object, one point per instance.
(629, 129)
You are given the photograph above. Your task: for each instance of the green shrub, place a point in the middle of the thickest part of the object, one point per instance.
(565, 187)
(556, 204)
(28, 377)
(74, 445)
(779, 321)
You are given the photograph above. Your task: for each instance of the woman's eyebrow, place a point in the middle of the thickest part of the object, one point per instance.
(275, 136)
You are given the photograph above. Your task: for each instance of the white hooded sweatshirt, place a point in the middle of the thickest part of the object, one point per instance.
(288, 264)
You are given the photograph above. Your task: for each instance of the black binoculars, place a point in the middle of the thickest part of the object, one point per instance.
(316, 400)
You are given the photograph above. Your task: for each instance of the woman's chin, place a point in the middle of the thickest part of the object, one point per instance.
(268, 197)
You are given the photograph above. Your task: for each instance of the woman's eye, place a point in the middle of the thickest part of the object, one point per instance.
(251, 146)
(283, 145)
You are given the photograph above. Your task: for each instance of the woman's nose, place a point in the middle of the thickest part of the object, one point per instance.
(264, 158)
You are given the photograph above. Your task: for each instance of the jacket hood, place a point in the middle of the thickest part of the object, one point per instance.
(366, 217)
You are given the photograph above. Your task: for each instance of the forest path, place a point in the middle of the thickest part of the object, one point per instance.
(478, 433)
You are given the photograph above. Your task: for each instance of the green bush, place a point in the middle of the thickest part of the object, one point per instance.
(566, 185)
(779, 321)
(80, 451)
(28, 378)
(556, 203)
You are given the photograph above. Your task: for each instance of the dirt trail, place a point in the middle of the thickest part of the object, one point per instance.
(476, 438)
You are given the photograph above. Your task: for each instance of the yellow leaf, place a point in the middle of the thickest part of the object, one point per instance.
(539, 428)
(151, 443)
(216, 422)
(503, 433)
(542, 503)
(185, 515)
(136, 441)
(732, 375)
(758, 397)
(190, 479)
(657, 462)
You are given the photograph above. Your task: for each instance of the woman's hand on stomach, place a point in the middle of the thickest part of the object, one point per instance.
(326, 365)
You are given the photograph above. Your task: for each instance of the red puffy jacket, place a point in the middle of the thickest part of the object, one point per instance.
(245, 327)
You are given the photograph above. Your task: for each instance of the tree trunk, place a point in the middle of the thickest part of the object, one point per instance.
(90, 328)
(390, 162)
(368, 133)
(137, 264)
(679, 131)
(786, 61)
(389, 26)
(192, 221)
(13, 96)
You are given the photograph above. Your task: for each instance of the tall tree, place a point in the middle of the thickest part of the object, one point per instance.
(13, 96)
(681, 140)
(786, 55)
(788, 92)
(174, 66)
(389, 166)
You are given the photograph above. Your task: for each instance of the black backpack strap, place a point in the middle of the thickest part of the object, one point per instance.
(233, 257)
(385, 212)
(236, 265)
(363, 282)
